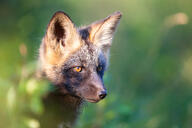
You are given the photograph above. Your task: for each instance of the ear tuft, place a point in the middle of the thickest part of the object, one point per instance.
(117, 13)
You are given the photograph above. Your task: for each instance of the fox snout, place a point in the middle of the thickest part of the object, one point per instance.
(95, 97)
(93, 89)
(100, 92)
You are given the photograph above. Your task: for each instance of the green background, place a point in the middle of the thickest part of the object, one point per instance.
(149, 79)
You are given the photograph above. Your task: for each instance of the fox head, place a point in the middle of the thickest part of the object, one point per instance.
(74, 59)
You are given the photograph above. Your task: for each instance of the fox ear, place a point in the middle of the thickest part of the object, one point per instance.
(101, 32)
(60, 30)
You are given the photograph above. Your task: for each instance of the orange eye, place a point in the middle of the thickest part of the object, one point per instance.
(78, 69)
(99, 68)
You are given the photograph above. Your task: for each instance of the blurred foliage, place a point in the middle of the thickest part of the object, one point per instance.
(149, 80)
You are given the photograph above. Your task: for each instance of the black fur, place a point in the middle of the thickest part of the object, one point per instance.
(84, 33)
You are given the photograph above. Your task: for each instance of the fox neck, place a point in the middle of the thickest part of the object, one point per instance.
(62, 97)
(61, 107)
(64, 101)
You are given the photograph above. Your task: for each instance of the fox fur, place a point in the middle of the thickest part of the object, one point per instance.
(74, 60)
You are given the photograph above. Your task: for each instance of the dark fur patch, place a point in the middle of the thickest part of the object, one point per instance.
(84, 33)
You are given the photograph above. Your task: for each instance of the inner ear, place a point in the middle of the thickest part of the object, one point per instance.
(59, 31)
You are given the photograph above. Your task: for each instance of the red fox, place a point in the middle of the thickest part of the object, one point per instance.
(74, 60)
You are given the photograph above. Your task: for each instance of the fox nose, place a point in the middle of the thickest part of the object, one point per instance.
(103, 94)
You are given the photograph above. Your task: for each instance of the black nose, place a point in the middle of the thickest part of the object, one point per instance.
(103, 94)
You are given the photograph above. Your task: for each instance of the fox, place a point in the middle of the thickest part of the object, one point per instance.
(74, 59)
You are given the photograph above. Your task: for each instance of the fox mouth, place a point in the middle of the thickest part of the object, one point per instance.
(92, 100)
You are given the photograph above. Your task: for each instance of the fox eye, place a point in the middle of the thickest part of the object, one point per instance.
(78, 69)
(99, 68)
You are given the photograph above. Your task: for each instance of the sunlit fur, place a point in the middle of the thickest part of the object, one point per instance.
(64, 47)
